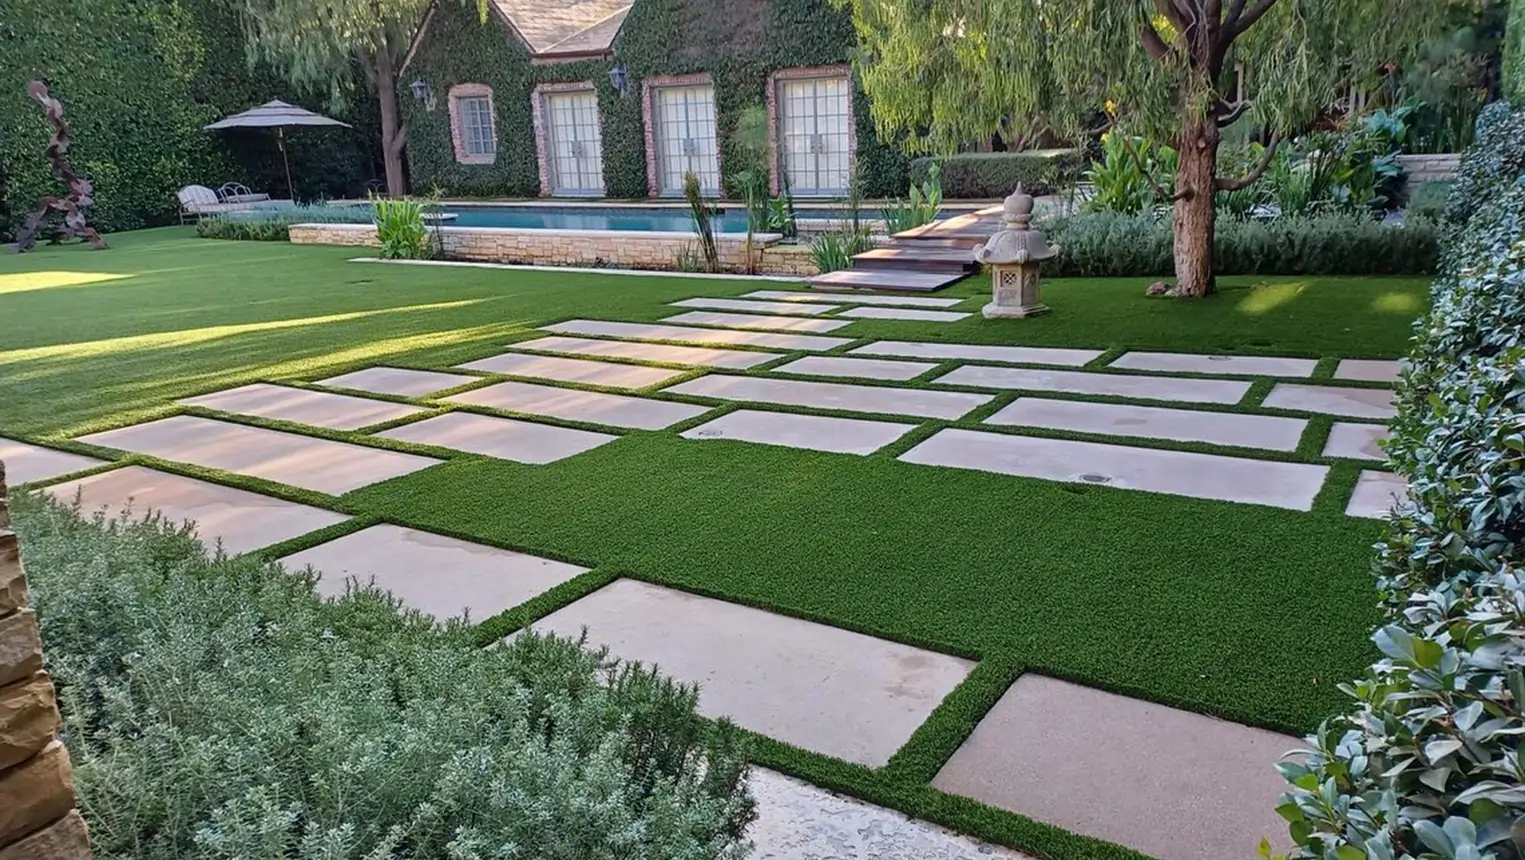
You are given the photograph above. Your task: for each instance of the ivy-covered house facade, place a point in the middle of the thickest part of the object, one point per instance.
(619, 99)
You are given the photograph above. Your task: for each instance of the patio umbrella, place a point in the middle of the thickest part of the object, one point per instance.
(279, 116)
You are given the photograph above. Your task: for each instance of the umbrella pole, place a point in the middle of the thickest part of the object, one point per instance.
(280, 140)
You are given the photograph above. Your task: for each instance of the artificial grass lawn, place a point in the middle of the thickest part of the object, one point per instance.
(1247, 612)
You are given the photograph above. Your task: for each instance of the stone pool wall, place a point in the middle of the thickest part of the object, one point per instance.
(615, 248)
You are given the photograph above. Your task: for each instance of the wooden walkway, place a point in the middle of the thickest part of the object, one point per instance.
(920, 260)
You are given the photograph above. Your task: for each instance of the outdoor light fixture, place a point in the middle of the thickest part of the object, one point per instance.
(620, 79)
(422, 93)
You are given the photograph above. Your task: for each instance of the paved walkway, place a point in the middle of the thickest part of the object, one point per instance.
(758, 370)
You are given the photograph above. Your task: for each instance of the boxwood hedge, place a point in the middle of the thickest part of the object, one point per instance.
(993, 175)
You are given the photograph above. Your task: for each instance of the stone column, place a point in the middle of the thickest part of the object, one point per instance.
(38, 820)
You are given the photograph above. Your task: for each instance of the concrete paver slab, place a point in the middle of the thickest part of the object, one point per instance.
(811, 432)
(851, 298)
(321, 465)
(399, 381)
(1245, 365)
(775, 323)
(442, 576)
(755, 307)
(815, 686)
(1154, 422)
(1376, 493)
(692, 356)
(1178, 473)
(835, 395)
(1169, 783)
(681, 334)
(616, 410)
(1171, 388)
(857, 368)
(503, 438)
(241, 520)
(1333, 400)
(979, 352)
(303, 406)
(913, 314)
(1368, 370)
(605, 373)
(1356, 441)
(26, 464)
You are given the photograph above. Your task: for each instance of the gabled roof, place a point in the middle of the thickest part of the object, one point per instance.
(557, 27)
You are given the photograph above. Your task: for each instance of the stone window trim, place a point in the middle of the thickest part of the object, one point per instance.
(653, 182)
(457, 127)
(775, 164)
(539, 120)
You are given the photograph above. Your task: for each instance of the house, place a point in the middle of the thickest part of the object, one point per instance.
(620, 99)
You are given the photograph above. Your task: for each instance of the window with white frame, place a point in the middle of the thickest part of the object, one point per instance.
(683, 134)
(471, 119)
(574, 143)
(814, 118)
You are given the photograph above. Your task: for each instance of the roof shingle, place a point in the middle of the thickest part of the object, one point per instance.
(552, 27)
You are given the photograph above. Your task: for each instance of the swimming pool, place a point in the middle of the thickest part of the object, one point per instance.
(730, 219)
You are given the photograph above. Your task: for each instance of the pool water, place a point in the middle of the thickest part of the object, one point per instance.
(730, 219)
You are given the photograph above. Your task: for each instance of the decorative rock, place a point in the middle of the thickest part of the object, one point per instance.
(1015, 255)
(12, 578)
(1158, 288)
(20, 647)
(65, 839)
(36, 793)
(28, 719)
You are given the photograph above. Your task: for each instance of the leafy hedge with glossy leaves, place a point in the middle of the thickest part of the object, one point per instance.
(978, 175)
(1428, 762)
(738, 43)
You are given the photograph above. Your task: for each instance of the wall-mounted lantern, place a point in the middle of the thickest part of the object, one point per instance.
(620, 79)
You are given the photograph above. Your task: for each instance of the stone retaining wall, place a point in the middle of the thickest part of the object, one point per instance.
(38, 820)
(1420, 169)
(616, 248)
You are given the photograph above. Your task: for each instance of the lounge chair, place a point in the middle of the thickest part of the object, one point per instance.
(198, 201)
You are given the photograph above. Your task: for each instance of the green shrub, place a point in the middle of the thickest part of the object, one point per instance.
(1429, 200)
(1112, 244)
(1514, 52)
(272, 225)
(1428, 762)
(997, 174)
(216, 708)
(926, 200)
(834, 251)
(400, 228)
(701, 212)
(1124, 179)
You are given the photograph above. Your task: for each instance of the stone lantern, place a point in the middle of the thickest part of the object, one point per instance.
(1015, 254)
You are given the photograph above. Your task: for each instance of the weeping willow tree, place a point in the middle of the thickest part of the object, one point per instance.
(943, 72)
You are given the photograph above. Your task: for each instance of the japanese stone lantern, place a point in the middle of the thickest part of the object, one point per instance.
(1015, 254)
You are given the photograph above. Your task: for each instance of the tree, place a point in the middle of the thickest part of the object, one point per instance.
(318, 44)
(943, 72)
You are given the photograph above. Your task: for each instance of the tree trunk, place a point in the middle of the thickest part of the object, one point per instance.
(1195, 210)
(393, 138)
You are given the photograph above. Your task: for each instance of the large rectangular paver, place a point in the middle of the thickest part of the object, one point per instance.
(751, 321)
(605, 373)
(811, 432)
(503, 438)
(1169, 783)
(616, 410)
(1154, 422)
(691, 356)
(322, 465)
(1376, 493)
(1368, 369)
(857, 368)
(25, 464)
(241, 520)
(979, 352)
(835, 395)
(680, 334)
(1356, 441)
(303, 406)
(852, 299)
(399, 381)
(1172, 388)
(815, 686)
(755, 307)
(912, 314)
(442, 576)
(1244, 365)
(1333, 400)
(1178, 473)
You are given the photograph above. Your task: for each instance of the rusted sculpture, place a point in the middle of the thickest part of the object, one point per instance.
(81, 191)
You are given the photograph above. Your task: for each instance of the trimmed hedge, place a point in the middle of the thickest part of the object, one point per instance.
(1428, 763)
(1112, 244)
(982, 175)
(217, 708)
(274, 225)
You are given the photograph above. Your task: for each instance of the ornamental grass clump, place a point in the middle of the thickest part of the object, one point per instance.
(216, 708)
(1428, 762)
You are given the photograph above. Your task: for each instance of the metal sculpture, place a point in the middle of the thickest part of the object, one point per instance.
(81, 190)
